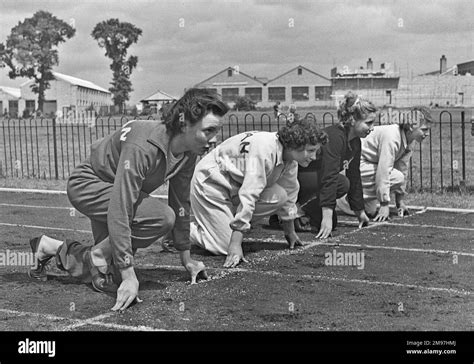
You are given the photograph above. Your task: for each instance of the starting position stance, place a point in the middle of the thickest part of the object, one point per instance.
(321, 183)
(248, 177)
(112, 188)
(385, 158)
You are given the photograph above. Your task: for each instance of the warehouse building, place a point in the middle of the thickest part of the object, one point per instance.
(444, 87)
(299, 86)
(66, 94)
(378, 85)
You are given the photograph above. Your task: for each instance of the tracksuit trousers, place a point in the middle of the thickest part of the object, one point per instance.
(308, 196)
(214, 203)
(90, 195)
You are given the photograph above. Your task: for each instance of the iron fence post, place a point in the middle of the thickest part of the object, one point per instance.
(463, 146)
(55, 150)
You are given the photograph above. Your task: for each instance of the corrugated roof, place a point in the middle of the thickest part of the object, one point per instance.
(15, 92)
(79, 82)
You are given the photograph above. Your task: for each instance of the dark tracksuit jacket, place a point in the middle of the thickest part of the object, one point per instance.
(336, 155)
(134, 160)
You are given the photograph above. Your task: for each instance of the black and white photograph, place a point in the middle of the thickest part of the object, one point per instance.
(236, 175)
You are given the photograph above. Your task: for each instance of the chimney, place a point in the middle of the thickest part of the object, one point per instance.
(370, 65)
(442, 64)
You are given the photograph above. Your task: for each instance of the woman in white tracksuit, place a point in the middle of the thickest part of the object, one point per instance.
(247, 177)
(384, 162)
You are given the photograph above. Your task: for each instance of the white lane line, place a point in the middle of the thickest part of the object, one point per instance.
(430, 226)
(36, 206)
(127, 327)
(329, 242)
(77, 322)
(164, 196)
(309, 245)
(418, 250)
(346, 222)
(363, 281)
(45, 227)
(223, 272)
(96, 321)
(30, 190)
(52, 192)
(36, 314)
(88, 321)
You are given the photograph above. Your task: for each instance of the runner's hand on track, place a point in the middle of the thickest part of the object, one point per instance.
(293, 241)
(325, 229)
(234, 257)
(363, 218)
(195, 269)
(126, 293)
(383, 214)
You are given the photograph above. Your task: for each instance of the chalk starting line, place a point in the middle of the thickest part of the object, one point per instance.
(57, 192)
(94, 321)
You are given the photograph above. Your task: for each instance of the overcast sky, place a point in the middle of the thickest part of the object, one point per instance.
(185, 42)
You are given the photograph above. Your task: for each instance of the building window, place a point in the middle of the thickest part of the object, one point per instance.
(300, 71)
(300, 93)
(13, 108)
(30, 106)
(230, 94)
(322, 93)
(229, 73)
(276, 94)
(254, 93)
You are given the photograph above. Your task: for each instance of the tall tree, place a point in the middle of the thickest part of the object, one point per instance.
(116, 37)
(31, 50)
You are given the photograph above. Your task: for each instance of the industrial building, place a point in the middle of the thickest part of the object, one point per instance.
(382, 84)
(299, 86)
(66, 94)
(444, 87)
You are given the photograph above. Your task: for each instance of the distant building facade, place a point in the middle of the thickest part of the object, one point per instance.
(299, 86)
(378, 85)
(383, 85)
(445, 87)
(9, 100)
(66, 94)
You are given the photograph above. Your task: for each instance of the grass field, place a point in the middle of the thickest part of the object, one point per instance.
(29, 152)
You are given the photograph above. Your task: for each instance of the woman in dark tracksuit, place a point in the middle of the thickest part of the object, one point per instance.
(112, 188)
(321, 183)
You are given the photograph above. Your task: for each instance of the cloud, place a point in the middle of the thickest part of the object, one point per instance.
(187, 41)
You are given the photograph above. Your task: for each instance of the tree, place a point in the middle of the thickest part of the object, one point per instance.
(116, 37)
(31, 50)
(244, 103)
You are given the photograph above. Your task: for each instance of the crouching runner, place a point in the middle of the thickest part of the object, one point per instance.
(112, 188)
(248, 177)
(384, 163)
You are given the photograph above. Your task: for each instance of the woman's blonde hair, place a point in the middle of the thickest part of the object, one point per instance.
(354, 107)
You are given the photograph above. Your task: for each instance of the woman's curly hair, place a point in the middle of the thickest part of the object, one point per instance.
(354, 107)
(301, 132)
(195, 104)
